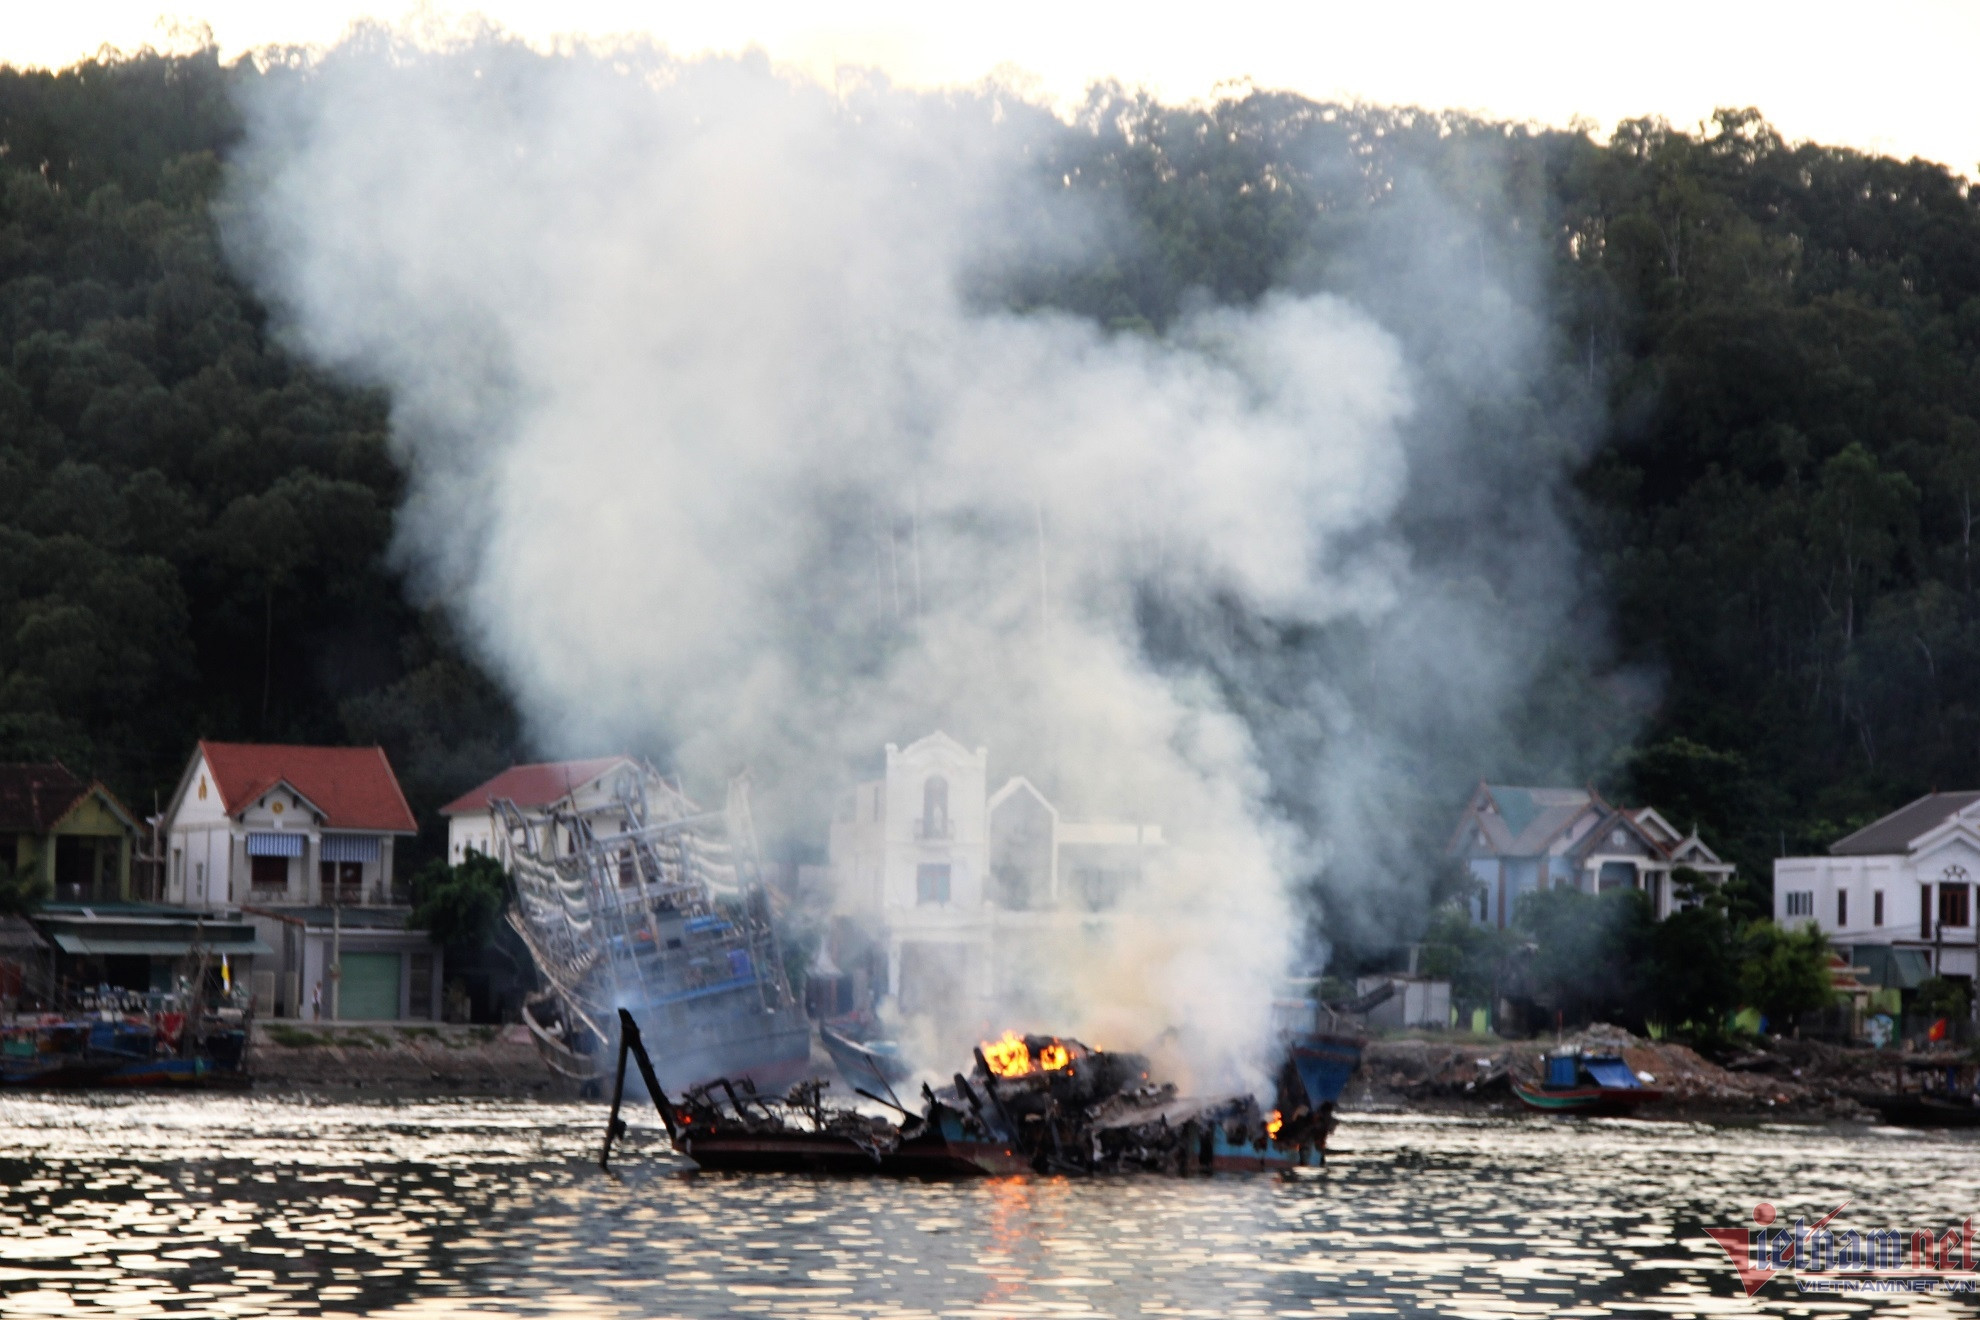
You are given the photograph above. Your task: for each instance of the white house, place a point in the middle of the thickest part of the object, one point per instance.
(1904, 883)
(471, 816)
(301, 841)
(1516, 840)
(952, 883)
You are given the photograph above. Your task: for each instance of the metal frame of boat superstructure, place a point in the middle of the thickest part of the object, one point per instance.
(594, 883)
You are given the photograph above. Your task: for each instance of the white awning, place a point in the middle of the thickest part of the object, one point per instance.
(278, 844)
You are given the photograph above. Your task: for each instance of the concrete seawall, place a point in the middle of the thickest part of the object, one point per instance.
(406, 1058)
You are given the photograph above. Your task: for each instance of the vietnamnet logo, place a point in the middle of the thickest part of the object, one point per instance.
(1821, 1259)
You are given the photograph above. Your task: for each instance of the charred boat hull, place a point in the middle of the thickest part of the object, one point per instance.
(931, 1153)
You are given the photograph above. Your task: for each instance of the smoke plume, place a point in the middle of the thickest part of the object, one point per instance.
(719, 449)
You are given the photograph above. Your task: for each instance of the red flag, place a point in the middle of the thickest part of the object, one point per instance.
(1938, 1031)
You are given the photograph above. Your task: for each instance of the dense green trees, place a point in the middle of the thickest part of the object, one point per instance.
(193, 527)
(1785, 973)
(1780, 500)
(1576, 958)
(460, 904)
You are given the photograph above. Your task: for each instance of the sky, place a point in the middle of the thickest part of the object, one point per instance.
(1893, 77)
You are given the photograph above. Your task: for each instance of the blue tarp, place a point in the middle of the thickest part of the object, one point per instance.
(1611, 1072)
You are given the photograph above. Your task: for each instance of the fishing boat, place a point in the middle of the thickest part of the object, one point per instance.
(1948, 1096)
(1042, 1104)
(874, 1065)
(645, 901)
(57, 1052)
(1580, 1083)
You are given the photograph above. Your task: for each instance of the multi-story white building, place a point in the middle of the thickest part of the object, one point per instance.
(954, 884)
(1903, 883)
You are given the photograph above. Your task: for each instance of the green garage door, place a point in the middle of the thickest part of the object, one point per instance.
(371, 987)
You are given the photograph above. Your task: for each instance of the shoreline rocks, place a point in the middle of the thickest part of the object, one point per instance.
(401, 1059)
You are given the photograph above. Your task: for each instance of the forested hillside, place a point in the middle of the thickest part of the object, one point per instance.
(192, 526)
(1780, 506)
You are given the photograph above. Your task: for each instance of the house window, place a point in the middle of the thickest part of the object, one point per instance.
(1877, 908)
(935, 808)
(876, 803)
(1842, 908)
(931, 884)
(1801, 902)
(265, 873)
(1955, 904)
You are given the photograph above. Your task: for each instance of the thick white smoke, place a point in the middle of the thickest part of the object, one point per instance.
(710, 450)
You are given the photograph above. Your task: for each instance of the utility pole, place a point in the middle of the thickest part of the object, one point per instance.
(336, 953)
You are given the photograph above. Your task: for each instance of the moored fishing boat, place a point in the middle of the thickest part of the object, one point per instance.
(1578, 1083)
(1948, 1096)
(57, 1052)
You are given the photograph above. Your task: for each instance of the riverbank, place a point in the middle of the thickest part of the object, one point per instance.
(1799, 1080)
(1803, 1080)
(401, 1059)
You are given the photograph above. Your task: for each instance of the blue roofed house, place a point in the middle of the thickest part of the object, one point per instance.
(1516, 840)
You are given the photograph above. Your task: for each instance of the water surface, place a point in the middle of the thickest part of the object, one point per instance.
(237, 1206)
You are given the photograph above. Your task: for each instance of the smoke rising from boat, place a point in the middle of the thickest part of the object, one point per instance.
(718, 451)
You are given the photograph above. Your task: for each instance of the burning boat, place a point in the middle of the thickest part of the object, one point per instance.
(1034, 1103)
(644, 905)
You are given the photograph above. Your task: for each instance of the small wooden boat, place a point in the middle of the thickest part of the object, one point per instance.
(1594, 1084)
(1949, 1096)
(1904, 1109)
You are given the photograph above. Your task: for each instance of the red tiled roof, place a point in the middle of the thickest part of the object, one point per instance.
(33, 796)
(532, 785)
(353, 786)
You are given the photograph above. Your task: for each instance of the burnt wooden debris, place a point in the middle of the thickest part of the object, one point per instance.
(1040, 1104)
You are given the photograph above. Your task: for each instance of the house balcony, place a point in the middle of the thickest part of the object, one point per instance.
(934, 831)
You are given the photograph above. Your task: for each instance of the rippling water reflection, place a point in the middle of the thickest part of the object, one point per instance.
(220, 1205)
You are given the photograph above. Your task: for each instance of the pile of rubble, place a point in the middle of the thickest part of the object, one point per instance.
(1800, 1079)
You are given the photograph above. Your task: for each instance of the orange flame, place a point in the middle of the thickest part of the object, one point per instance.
(1053, 1057)
(1273, 1124)
(1007, 1057)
